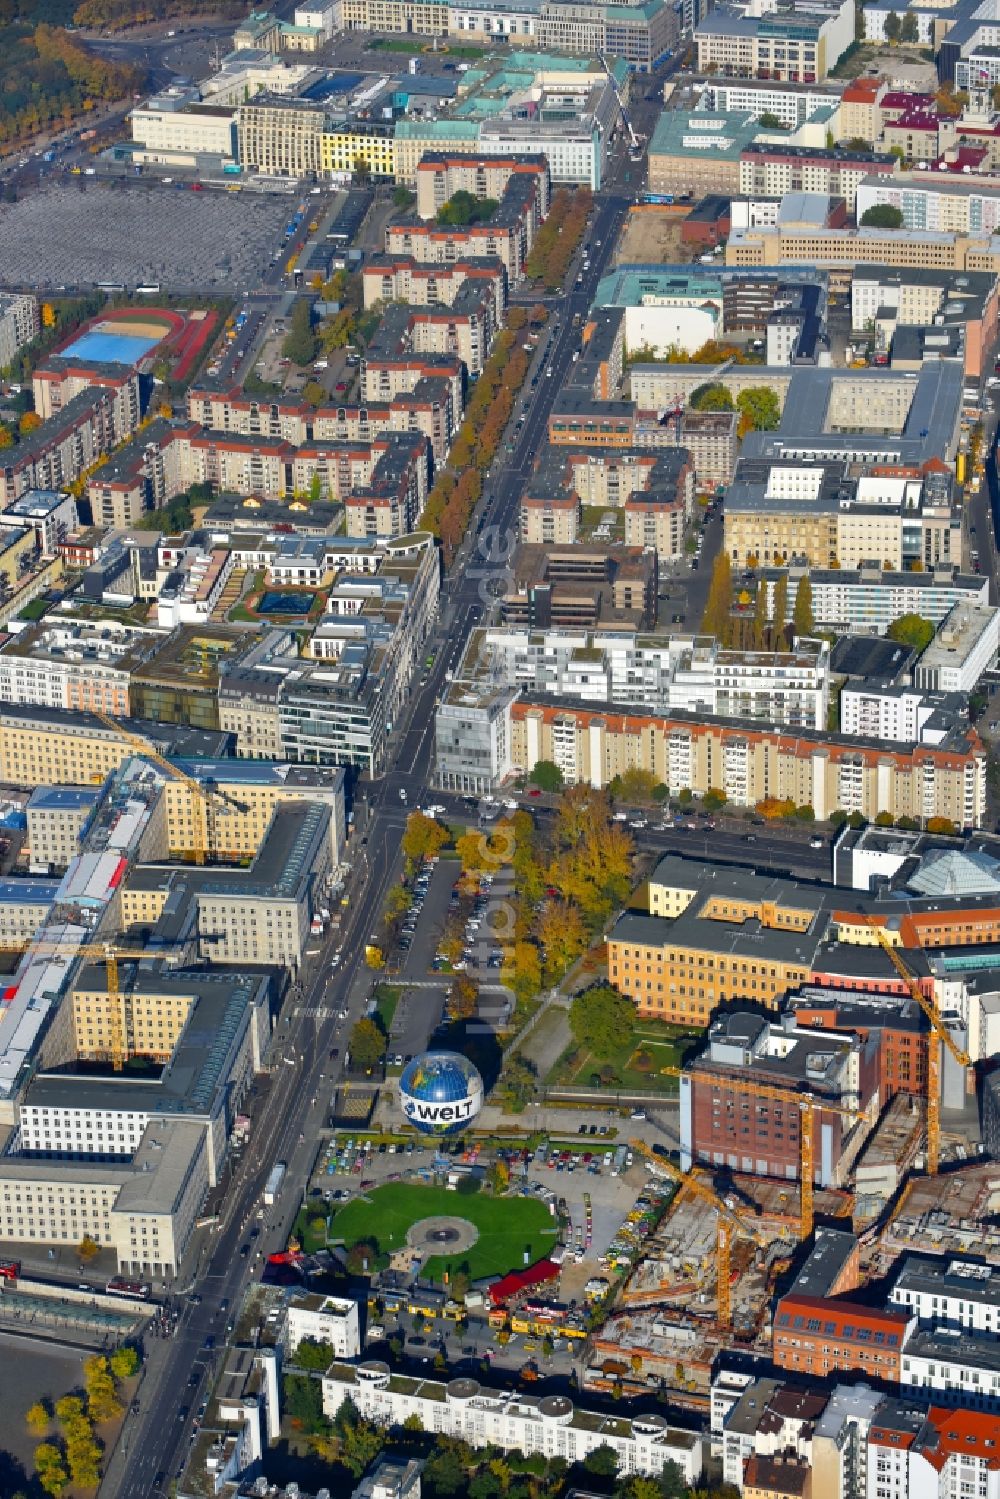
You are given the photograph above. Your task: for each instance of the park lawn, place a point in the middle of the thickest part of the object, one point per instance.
(508, 1226)
(666, 1044)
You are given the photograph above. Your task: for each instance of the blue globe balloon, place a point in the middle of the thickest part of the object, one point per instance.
(440, 1092)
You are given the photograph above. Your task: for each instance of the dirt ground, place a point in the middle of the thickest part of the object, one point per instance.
(650, 235)
(903, 66)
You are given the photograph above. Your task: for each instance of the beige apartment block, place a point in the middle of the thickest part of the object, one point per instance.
(826, 772)
(128, 1024)
(551, 520)
(774, 245)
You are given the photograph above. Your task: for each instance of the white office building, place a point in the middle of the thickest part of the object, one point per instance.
(547, 1424)
(965, 646)
(324, 1319)
(895, 714)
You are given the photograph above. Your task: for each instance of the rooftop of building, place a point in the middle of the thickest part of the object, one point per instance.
(192, 1081)
(831, 1253)
(719, 135)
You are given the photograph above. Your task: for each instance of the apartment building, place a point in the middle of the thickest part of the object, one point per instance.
(549, 520)
(550, 1424)
(324, 1319)
(388, 278)
(768, 169)
(370, 141)
(690, 673)
(889, 299)
(82, 431)
(709, 438)
(800, 41)
(824, 771)
(792, 104)
(134, 479)
(19, 324)
(282, 136)
(441, 175)
(75, 664)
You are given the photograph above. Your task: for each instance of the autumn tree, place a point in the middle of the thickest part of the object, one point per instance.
(779, 609)
(30, 422)
(102, 1401)
(88, 1249)
(592, 856)
(523, 972)
(423, 837)
(719, 602)
(563, 938)
(367, 1045)
(38, 1418)
(125, 1361)
(51, 1469)
(463, 997)
(760, 410)
(48, 315)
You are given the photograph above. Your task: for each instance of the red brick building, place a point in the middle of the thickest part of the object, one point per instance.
(895, 1021)
(816, 1335)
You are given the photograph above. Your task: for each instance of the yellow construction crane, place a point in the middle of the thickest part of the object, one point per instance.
(807, 1104)
(108, 953)
(728, 1224)
(201, 793)
(938, 1032)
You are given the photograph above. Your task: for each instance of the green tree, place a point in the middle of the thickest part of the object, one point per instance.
(714, 799)
(446, 1472)
(517, 1083)
(300, 341)
(893, 27)
(711, 397)
(771, 121)
(367, 1045)
(882, 216)
(314, 393)
(304, 1402)
(547, 776)
(602, 1462)
(464, 208)
(403, 198)
(802, 613)
(600, 1018)
(716, 620)
(313, 1354)
(359, 1440)
(912, 630)
(760, 410)
(758, 625)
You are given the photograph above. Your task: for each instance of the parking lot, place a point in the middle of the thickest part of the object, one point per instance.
(80, 232)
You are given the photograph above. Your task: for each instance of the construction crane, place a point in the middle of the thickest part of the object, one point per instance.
(939, 1032)
(634, 143)
(807, 1104)
(108, 953)
(729, 1224)
(202, 794)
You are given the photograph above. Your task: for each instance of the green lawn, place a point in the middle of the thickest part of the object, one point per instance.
(666, 1045)
(507, 1226)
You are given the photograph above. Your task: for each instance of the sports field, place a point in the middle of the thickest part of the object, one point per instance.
(508, 1227)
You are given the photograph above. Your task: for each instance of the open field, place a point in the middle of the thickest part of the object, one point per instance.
(509, 1227)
